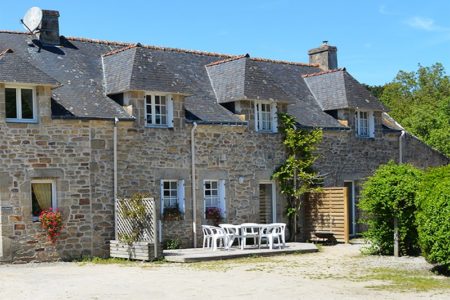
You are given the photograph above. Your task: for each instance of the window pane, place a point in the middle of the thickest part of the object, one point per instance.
(41, 197)
(11, 105)
(27, 104)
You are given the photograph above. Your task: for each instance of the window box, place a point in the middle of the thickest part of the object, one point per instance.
(214, 214)
(172, 214)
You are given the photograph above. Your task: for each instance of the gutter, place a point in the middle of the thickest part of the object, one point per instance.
(194, 199)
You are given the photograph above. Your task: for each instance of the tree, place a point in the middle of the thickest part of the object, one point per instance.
(420, 102)
(387, 196)
(296, 175)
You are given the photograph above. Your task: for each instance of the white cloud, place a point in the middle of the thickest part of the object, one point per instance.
(426, 24)
(384, 11)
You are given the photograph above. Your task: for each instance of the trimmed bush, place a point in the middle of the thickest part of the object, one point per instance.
(389, 194)
(433, 217)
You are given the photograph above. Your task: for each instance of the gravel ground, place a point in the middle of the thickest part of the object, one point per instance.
(337, 272)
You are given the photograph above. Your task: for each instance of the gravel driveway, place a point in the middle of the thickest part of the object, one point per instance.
(337, 272)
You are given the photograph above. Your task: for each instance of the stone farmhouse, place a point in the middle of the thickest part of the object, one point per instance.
(84, 121)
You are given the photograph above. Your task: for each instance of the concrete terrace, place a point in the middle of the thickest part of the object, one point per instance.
(200, 254)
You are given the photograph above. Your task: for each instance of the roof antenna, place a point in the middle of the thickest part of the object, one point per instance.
(32, 20)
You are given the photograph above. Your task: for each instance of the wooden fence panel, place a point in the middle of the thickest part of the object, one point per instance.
(327, 212)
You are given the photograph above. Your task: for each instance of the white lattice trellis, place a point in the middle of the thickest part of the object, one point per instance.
(124, 226)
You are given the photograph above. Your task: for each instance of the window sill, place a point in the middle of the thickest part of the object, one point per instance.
(266, 132)
(27, 121)
(158, 126)
(365, 137)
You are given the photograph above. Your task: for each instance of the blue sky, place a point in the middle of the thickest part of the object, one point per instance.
(375, 39)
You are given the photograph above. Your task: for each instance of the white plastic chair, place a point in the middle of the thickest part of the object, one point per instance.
(281, 230)
(232, 232)
(249, 230)
(213, 235)
(270, 233)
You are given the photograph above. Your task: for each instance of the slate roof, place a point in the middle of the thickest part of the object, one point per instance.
(137, 69)
(14, 69)
(337, 89)
(90, 70)
(242, 78)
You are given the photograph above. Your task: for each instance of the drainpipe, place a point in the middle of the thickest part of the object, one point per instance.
(194, 200)
(400, 147)
(116, 121)
(400, 161)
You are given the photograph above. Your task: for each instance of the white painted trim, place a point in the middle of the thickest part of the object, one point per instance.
(19, 118)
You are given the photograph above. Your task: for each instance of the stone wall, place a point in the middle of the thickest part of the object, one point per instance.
(78, 155)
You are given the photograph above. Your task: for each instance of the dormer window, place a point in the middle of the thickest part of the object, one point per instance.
(266, 116)
(158, 110)
(364, 124)
(20, 104)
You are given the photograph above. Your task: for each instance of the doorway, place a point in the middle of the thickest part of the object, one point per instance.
(350, 185)
(267, 203)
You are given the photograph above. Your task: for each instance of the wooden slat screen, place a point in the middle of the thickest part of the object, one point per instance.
(327, 212)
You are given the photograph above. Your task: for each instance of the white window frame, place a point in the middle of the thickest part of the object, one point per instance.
(19, 118)
(369, 127)
(180, 199)
(221, 199)
(54, 196)
(262, 118)
(169, 110)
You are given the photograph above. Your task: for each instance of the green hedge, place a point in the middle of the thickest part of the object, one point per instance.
(433, 217)
(388, 194)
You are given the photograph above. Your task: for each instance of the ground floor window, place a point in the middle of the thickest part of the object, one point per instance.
(43, 196)
(214, 198)
(172, 199)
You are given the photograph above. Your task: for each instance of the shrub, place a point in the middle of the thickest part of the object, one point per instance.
(387, 195)
(172, 244)
(433, 217)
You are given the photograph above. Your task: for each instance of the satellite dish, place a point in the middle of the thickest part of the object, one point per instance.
(32, 19)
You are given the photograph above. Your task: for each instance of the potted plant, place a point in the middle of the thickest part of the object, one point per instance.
(172, 214)
(52, 223)
(214, 214)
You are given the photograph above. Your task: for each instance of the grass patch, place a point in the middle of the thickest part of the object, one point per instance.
(107, 261)
(406, 280)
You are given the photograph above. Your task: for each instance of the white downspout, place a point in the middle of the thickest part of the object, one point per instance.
(400, 147)
(116, 121)
(194, 200)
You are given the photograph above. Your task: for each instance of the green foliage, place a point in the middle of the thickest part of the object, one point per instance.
(420, 101)
(389, 194)
(296, 175)
(433, 218)
(134, 210)
(172, 244)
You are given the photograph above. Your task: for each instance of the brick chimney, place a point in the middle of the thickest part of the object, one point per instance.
(49, 29)
(325, 56)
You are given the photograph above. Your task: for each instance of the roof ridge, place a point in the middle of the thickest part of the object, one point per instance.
(120, 50)
(113, 43)
(284, 62)
(227, 60)
(323, 72)
(8, 50)
(14, 32)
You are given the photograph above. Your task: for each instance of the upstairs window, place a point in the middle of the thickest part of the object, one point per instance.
(365, 124)
(20, 104)
(266, 116)
(158, 111)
